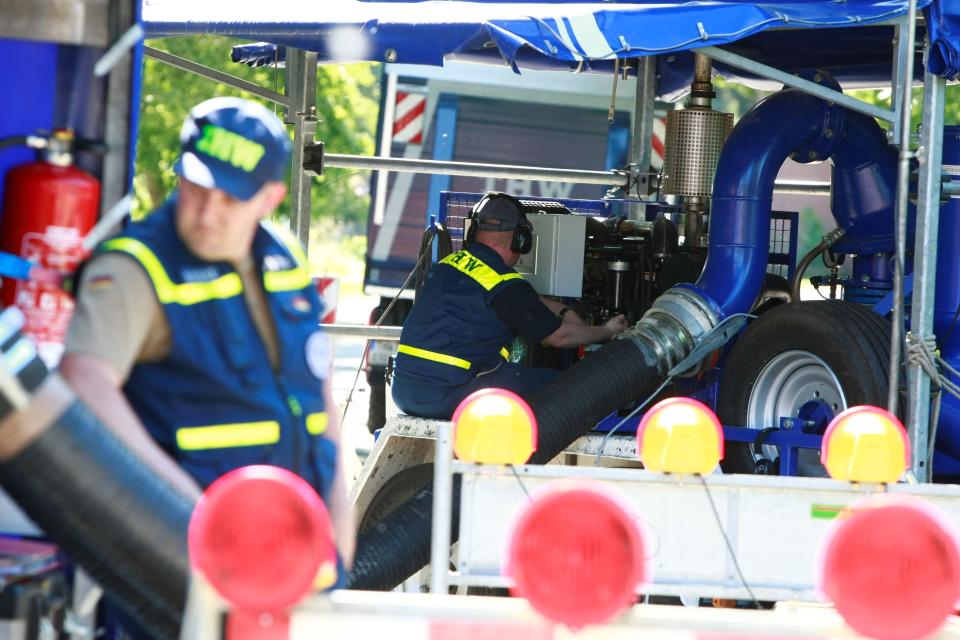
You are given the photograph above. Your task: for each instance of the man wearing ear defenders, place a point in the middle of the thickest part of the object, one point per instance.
(471, 307)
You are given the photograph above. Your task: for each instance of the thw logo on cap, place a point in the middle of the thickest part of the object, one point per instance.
(230, 147)
(234, 145)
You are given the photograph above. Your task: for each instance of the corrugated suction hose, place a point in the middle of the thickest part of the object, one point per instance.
(113, 516)
(398, 546)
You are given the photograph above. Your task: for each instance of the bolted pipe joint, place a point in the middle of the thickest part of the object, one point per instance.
(673, 326)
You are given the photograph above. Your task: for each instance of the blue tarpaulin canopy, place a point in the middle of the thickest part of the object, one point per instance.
(575, 35)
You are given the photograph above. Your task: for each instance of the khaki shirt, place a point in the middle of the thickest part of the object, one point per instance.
(119, 319)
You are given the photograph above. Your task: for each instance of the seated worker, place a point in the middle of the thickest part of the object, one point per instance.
(195, 337)
(471, 307)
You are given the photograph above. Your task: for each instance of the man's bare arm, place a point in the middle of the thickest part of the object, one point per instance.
(574, 334)
(98, 385)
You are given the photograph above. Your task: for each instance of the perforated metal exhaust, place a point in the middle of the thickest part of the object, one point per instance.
(694, 139)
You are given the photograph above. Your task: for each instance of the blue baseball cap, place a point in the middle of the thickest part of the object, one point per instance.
(234, 145)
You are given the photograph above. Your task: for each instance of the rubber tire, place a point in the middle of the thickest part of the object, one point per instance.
(853, 341)
(395, 492)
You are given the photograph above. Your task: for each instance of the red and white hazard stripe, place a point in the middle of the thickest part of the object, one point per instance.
(408, 117)
(329, 289)
(657, 148)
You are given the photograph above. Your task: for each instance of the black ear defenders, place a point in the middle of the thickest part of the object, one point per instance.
(522, 239)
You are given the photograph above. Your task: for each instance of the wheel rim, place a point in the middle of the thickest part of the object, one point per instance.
(795, 383)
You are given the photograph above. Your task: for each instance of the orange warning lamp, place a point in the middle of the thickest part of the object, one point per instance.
(576, 554)
(865, 444)
(892, 568)
(680, 435)
(494, 426)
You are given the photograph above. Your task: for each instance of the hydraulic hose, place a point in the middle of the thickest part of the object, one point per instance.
(13, 141)
(828, 241)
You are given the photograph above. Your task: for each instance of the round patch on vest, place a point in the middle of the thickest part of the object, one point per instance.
(301, 304)
(319, 353)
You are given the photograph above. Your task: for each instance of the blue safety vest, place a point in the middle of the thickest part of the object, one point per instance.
(214, 403)
(452, 333)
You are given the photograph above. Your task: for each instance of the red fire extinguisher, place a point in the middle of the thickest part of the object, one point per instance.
(48, 207)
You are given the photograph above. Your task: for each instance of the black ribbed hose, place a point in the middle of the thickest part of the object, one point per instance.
(12, 141)
(398, 546)
(110, 513)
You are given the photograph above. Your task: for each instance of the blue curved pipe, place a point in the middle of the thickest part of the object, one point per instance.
(946, 319)
(765, 137)
(864, 187)
(788, 124)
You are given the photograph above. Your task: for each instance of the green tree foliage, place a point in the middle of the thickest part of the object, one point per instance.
(347, 104)
(881, 97)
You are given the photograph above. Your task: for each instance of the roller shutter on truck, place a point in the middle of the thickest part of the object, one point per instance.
(478, 129)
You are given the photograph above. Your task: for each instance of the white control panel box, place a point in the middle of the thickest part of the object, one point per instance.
(554, 265)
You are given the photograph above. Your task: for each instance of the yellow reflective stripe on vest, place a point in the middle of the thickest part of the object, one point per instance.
(472, 266)
(317, 423)
(168, 292)
(223, 436)
(434, 356)
(291, 279)
(504, 353)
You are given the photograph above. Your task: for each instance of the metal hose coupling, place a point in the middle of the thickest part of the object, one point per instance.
(673, 326)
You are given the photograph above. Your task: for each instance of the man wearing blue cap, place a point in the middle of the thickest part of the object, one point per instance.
(195, 334)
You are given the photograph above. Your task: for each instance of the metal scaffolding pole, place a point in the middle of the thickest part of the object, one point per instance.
(790, 80)
(643, 115)
(302, 114)
(364, 331)
(217, 76)
(900, 41)
(925, 269)
(472, 169)
(478, 170)
(903, 184)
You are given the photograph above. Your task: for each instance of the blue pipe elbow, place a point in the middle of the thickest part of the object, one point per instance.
(788, 123)
(863, 193)
(948, 428)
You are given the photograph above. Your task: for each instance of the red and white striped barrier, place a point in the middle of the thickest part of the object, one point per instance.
(408, 117)
(329, 289)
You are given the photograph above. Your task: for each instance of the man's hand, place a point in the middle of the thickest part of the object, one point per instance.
(572, 334)
(616, 325)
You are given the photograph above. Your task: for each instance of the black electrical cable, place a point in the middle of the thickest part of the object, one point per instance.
(522, 486)
(726, 540)
(444, 248)
(953, 325)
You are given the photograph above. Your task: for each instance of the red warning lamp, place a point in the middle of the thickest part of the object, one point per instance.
(263, 539)
(892, 569)
(576, 555)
